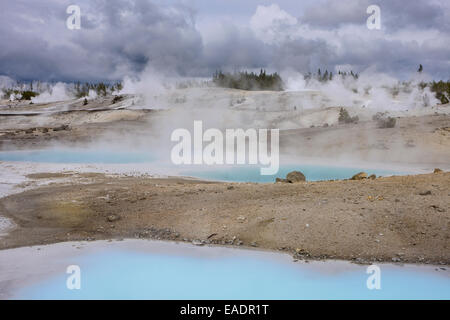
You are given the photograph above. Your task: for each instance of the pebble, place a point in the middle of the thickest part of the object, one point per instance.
(197, 242)
(113, 217)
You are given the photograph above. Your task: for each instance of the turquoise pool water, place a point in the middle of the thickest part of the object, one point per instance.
(78, 156)
(252, 173)
(236, 173)
(121, 274)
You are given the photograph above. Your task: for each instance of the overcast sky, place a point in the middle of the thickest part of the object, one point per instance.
(195, 37)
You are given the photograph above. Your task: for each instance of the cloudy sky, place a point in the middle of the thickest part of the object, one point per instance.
(195, 37)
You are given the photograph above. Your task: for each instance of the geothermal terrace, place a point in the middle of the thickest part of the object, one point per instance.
(400, 218)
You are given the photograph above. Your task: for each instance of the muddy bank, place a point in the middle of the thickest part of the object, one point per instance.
(400, 219)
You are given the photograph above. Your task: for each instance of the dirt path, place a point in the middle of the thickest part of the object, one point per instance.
(400, 219)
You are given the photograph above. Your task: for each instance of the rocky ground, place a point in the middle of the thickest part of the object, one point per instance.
(399, 219)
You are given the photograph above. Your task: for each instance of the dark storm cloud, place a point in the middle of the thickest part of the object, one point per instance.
(116, 37)
(122, 37)
(412, 33)
(235, 48)
(395, 14)
(332, 14)
(303, 55)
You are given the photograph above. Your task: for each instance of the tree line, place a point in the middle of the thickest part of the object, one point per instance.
(328, 76)
(27, 91)
(101, 88)
(248, 80)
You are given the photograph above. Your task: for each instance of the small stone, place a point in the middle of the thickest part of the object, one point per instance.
(437, 208)
(113, 217)
(425, 193)
(197, 242)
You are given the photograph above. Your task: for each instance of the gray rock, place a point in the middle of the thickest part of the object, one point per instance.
(197, 242)
(292, 177)
(295, 176)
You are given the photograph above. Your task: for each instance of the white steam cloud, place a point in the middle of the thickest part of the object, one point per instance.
(373, 90)
(58, 92)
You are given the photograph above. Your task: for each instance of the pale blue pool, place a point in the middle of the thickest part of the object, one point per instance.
(121, 274)
(78, 156)
(236, 173)
(311, 172)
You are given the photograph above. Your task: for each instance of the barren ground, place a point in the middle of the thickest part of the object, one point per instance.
(401, 218)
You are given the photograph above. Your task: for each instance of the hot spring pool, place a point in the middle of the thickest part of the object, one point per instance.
(180, 271)
(236, 173)
(252, 173)
(77, 156)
